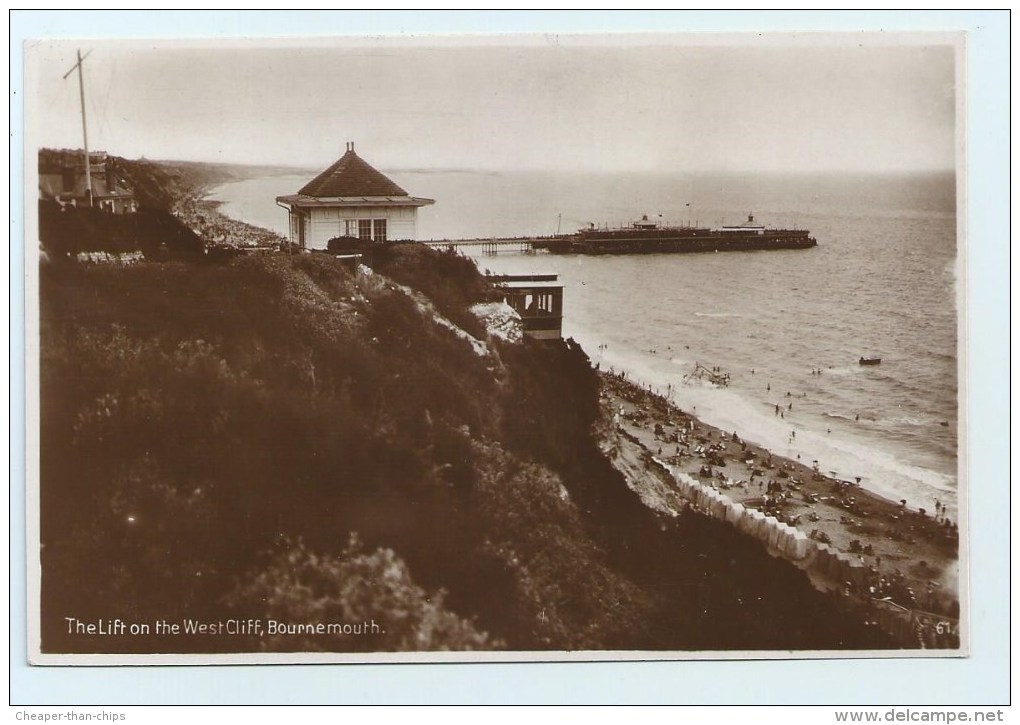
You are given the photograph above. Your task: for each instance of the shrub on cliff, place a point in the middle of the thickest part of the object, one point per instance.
(160, 232)
(451, 281)
(72, 230)
(371, 595)
(65, 232)
(348, 245)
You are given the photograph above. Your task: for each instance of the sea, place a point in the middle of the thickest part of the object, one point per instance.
(788, 326)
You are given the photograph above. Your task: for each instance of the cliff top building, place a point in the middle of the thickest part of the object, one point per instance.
(62, 179)
(351, 199)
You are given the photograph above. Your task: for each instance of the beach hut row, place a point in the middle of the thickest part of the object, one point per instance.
(779, 537)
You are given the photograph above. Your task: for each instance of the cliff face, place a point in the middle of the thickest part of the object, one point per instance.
(214, 436)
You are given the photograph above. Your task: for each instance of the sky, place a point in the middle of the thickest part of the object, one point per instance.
(863, 102)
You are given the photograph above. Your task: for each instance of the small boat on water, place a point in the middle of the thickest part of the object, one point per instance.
(870, 361)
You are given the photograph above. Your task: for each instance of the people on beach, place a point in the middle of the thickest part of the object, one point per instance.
(694, 449)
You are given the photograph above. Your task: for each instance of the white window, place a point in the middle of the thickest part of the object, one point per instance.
(350, 227)
(379, 230)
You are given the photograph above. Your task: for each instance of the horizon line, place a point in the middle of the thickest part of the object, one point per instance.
(420, 169)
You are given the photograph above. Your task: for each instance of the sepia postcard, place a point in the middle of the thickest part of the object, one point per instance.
(496, 348)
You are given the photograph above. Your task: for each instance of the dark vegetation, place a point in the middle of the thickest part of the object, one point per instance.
(349, 245)
(213, 436)
(155, 232)
(452, 283)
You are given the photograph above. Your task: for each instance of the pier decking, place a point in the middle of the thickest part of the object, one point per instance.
(490, 245)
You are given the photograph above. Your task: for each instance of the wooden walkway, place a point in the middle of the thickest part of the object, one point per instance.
(491, 246)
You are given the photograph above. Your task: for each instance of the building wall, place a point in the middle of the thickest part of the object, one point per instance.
(70, 189)
(323, 224)
(117, 205)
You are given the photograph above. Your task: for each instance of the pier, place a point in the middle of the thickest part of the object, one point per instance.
(490, 246)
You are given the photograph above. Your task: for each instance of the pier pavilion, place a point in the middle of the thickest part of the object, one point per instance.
(351, 199)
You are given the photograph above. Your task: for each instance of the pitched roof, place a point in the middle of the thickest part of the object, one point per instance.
(351, 176)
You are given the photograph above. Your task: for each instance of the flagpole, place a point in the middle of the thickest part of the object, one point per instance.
(85, 131)
(84, 125)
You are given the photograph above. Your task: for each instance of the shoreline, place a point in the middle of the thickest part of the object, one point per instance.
(203, 216)
(883, 472)
(908, 559)
(212, 195)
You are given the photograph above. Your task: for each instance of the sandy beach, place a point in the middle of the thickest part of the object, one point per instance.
(910, 556)
(203, 216)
